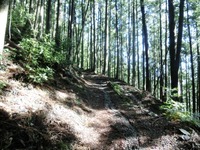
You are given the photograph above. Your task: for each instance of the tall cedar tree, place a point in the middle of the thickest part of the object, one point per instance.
(105, 37)
(117, 39)
(146, 45)
(48, 17)
(191, 60)
(175, 53)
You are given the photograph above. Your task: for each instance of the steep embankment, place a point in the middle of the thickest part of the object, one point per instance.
(84, 113)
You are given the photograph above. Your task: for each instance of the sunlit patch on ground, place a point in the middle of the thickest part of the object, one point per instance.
(90, 116)
(24, 100)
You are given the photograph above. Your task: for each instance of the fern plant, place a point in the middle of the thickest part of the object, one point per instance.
(177, 111)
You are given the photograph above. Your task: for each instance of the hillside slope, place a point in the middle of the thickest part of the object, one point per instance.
(84, 112)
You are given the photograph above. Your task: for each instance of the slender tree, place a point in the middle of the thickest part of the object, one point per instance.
(128, 47)
(117, 40)
(109, 37)
(70, 29)
(198, 69)
(94, 36)
(105, 37)
(4, 5)
(137, 41)
(161, 52)
(48, 16)
(133, 46)
(146, 45)
(191, 60)
(166, 52)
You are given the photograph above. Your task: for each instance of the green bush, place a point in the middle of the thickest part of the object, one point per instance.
(177, 111)
(116, 87)
(2, 86)
(39, 58)
(40, 75)
(22, 23)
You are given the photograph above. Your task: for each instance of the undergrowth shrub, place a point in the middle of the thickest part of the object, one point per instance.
(177, 111)
(116, 87)
(2, 85)
(38, 58)
(22, 23)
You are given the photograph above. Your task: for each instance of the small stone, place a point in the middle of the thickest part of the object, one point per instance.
(184, 132)
(185, 137)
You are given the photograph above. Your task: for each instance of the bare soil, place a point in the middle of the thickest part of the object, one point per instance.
(84, 112)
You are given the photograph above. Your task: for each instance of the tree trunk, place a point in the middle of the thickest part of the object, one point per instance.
(41, 19)
(174, 76)
(117, 39)
(9, 24)
(186, 88)
(57, 36)
(133, 47)
(91, 40)
(161, 53)
(109, 37)
(166, 53)
(129, 43)
(192, 63)
(37, 16)
(30, 6)
(146, 46)
(137, 41)
(4, 5)
(48, 17)
(175, 54)
(105, 38)
(94, 37)
(70, 31)
(198, 70)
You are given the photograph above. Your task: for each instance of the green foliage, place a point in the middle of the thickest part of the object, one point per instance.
(22, 23)
(40, 75)
(176, 111)
(39, 58)
(78, 101)
(116, 87)
(64, 146)
(2, 86)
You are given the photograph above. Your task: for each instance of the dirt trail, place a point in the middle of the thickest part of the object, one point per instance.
(122, 134)
(134, 121)
(85, 115)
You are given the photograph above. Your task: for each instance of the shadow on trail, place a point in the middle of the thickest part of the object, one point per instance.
(143, 113)
(122, 136)
(31, 131)
(149, 126)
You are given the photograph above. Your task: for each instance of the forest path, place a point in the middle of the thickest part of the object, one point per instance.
(85, 113)
(120, 134)
(133, 118)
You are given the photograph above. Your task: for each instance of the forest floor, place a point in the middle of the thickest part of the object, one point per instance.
(83, 112)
